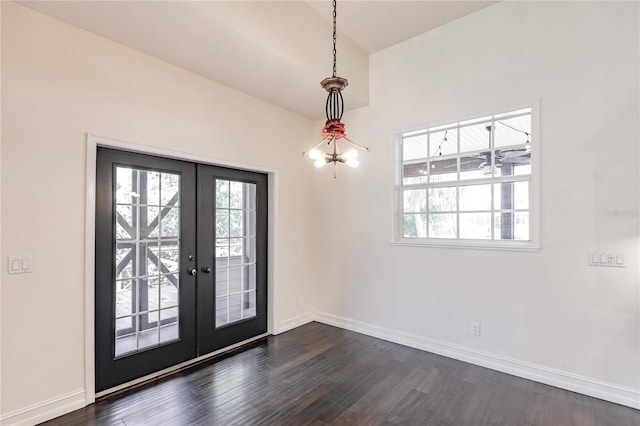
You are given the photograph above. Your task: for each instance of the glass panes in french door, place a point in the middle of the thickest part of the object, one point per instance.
(147, 259)
(235, 251)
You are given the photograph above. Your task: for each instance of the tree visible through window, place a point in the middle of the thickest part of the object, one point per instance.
(468, 180)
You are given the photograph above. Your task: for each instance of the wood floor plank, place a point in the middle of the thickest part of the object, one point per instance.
(320, 375)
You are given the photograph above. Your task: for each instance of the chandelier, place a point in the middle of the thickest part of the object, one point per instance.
(333, 130)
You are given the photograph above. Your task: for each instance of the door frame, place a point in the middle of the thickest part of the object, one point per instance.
(92, 144)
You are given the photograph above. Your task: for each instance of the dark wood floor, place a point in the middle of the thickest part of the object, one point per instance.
(317, 375)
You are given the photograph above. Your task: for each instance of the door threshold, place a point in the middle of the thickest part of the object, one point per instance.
(176, 368)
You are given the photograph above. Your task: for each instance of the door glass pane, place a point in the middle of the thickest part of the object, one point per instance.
(147, 257)
(235, 244)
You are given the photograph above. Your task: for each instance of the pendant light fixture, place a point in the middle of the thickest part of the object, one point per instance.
(333, 130)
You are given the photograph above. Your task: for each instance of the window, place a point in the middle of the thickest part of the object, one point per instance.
(469, 183)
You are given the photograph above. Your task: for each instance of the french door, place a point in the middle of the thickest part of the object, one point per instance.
(181, 253)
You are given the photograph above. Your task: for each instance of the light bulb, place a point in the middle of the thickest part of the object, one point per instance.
(352, 162)
(319, 163)
(316, 154)
(350, 154)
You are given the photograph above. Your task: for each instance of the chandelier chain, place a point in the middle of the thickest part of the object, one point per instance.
(334, 37)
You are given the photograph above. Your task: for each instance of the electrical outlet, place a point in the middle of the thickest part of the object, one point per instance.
(475, 328)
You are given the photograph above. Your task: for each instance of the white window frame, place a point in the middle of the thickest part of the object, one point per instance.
(533, 244)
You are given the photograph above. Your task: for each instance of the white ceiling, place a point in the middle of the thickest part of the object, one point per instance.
(277, 51)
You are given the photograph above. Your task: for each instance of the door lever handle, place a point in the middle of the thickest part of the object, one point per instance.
(206, 270)
(192, 271)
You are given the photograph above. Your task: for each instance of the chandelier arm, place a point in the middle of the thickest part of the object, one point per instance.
(315, 147)
(357, 145)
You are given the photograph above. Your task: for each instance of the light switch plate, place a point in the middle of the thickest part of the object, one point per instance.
(19, 265)
(612, 260)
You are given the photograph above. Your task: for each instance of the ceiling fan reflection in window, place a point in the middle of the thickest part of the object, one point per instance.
(507, 158)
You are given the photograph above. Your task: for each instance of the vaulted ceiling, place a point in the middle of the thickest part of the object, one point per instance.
(277, 51)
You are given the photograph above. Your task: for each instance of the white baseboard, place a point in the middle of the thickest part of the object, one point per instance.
(609, 392)
(538, 373)
(45, 411)
(294, 322)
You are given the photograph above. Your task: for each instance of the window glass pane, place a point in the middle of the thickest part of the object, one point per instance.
(442, 199)
(415, 201)
(414, 147)
(249, 246)
(521, 227)
(149, 187)
(511, 226)
(222, 223)
(125, 230)
(150, 334)
(475, 137)
(473, 174)
(415, 226)
(249, 196)
(443, 169)
(222, 282)
(169, 327)
(522, 169)
(475, 226)
(169, 290)
(170, 222)
(222, 193)
(125, 290)
(125, 190)
(236, 195)
(249, 304)
(442, 225)
(235, 307)
(510, 131)
(521, 195)
(236, 227)
(511, 195)
(169, 332)
(443, 143)
(170, 257)
(125, 259)
(149, 216)
(415, 173)
(475, 197)
(170, 193)
(513, 161)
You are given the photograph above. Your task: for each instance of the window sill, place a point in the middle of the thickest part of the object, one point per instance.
(470, 245)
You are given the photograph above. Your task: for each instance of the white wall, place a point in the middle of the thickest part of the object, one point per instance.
(546, 310)
(59, 82)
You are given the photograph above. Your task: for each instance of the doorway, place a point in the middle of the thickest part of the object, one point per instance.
(180, 262)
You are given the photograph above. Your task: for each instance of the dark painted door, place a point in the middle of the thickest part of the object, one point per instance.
(180, 262)
(232, 247)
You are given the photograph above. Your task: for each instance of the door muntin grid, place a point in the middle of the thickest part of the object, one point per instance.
(235, 251)
(146, 259)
